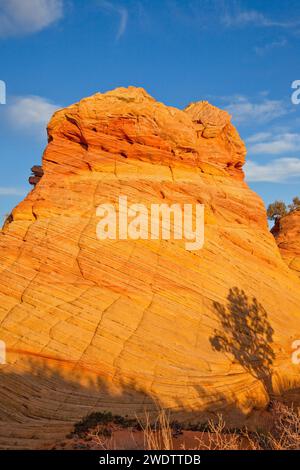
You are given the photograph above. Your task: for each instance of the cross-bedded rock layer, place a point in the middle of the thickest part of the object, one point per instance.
(124, 325)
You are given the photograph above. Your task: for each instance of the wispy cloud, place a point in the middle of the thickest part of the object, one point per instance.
(12, 191)
(19, 17)
(266, 48)
(242, 18)
(268, 143)
(238, 17)
(119, 10)
(277, 171)
(258, 137)
(243, 110)
(230, 14)
(30, 113)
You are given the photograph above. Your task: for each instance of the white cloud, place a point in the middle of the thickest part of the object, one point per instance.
(239, 18)
(30, 113)
(259, 137)
(12, 192)
(265, 143)
(243, 110)
(121, 11)
(262, 50)
(277, 171)
(18, 17)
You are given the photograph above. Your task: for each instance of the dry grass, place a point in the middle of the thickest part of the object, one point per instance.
(159, 435)
(102, 442)
(217, 438)
(286, 432)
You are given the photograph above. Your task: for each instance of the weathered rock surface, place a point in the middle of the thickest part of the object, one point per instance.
(125, 325)
(287, 234)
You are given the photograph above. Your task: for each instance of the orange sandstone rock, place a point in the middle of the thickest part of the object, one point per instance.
(124, 325)
(287, 234)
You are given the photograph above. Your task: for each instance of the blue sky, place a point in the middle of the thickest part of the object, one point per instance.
(240, 55)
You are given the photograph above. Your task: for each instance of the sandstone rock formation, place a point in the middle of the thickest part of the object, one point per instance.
(287, 234)
(125, 325)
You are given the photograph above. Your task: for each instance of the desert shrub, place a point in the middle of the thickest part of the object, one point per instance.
(295, 206)
(285, 434)
(276, 210)
(279, 209)
(217, 437)
(97, 419)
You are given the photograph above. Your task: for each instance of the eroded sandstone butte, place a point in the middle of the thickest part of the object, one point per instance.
(129, 325)
(287, 234)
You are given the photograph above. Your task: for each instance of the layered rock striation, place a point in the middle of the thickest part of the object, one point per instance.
(129, 325)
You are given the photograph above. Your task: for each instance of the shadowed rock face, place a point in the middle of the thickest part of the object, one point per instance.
(145, 317)
(37, 173)
(287, 234)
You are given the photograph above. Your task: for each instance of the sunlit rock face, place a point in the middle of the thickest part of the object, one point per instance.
(287, 234)
(127, 325)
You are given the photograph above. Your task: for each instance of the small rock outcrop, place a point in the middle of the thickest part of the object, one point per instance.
(37, 173)
(287, 234)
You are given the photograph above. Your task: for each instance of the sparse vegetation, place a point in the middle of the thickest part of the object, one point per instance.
(217, 437)
(103, 419)
(286, 432)
(158, 436)
(97, 430)
(279, 209)
(276, 210)
(295, 206)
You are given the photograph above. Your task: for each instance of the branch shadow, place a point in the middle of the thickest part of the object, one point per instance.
(247, 335)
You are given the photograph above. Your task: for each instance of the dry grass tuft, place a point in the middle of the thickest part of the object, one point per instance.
(218, 438)
(158, 436)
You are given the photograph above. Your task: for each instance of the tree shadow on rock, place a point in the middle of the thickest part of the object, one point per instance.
(246, 334)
